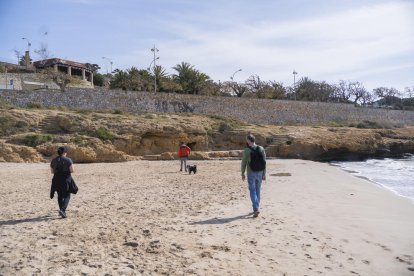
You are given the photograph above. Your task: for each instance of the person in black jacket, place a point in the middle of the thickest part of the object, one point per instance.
(62, 181)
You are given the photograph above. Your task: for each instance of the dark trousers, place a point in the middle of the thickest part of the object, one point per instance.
(63, 202)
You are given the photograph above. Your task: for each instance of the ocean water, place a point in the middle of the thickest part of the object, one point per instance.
(396, 175)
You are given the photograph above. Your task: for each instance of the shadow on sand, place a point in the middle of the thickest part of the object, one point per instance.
(17, 221)
(222, 220)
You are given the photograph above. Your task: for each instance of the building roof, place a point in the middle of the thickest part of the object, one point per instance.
(52, 61)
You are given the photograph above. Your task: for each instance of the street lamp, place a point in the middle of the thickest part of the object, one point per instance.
(28, 43)
(155, 50)
(152, 61)
(110, 62)
(232, 77)
(294, 82)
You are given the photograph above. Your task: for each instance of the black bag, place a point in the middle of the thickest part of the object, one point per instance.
(257, 160)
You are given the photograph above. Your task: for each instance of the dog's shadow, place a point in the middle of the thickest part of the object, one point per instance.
(222, 220)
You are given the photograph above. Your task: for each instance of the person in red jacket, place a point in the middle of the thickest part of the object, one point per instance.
(183, 153)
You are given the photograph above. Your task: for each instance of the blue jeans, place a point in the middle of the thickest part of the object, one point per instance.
(255, 182)
(184, 162)
(63, 202)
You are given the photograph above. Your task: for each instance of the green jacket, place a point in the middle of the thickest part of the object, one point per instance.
(246, 159)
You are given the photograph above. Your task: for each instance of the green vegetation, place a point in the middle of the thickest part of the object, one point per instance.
(5, 105)
(34, 105)
(366, 124)
(32, 140)
(117, 112)
(104, 134)
(10, 125)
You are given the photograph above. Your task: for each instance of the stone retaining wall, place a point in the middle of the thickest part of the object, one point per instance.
(256, 111)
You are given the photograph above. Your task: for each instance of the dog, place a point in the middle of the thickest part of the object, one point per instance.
(192, 168)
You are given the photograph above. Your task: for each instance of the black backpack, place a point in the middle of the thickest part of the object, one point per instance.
(257, 160)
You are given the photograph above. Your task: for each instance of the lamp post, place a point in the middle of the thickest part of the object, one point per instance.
(155, 50)
(28, 43)
(152, 61)
(232, 77)
(294, 82)
(106, 65)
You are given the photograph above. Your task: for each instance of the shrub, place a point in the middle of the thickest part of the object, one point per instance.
(76, 140)
(223, 126)
(376, 125)
(5, 105)
(104, 134)
(32, 140)
(34, 105)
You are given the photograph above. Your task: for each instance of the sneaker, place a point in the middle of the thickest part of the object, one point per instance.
(62, 214)
(256, 214)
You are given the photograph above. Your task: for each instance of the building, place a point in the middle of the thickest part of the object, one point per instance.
(69, 67)
(27, 77)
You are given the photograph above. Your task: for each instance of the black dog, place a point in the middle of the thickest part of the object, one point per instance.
(192, 168)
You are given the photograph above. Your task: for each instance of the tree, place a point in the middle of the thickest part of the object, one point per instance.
(234, 88)
(43, 53)
(190, 79)
(384, 92)
(359, 94)
(60, 78)
(17, 53)
(278, 90)
(342, 92)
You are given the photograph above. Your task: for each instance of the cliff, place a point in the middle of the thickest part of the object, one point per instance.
(32, 135)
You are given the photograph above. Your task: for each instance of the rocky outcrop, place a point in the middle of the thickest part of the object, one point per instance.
(19, 154)
(327, 144)
(34, 135)
(98, 152)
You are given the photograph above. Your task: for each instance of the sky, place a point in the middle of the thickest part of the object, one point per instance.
(371, 41)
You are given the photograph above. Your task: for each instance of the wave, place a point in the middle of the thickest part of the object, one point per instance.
(396, 175)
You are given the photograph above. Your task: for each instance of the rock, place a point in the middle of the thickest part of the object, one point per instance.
(15, 153)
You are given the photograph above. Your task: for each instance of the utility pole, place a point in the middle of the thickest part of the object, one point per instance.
(155, 50)
(294, 82)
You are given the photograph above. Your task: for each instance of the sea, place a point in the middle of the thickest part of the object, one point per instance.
(396, 175)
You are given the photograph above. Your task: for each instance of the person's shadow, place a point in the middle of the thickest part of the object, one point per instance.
(18, 221)
(222, 220)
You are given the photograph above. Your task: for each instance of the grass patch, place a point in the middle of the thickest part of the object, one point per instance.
(117, 111)
(104, 134)
(32, 140)
(6, 105)
(34, 105)
(366, 124)
(10, 125)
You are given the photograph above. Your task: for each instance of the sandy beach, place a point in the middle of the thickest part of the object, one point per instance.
(147, 218)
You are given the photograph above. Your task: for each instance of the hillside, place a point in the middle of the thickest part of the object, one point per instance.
(32, 135)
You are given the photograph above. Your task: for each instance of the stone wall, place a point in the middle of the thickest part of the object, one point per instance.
(27, 81)
(257, 111)
(33, 81)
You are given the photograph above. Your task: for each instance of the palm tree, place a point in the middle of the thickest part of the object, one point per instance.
(190, 79)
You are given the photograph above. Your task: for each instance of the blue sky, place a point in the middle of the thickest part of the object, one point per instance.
(365, 40)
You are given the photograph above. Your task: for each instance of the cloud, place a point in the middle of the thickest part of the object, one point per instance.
(337, 46)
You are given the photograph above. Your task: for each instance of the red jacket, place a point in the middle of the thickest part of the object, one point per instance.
(184, 151)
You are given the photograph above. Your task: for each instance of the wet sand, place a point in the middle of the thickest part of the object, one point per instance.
(147, 218)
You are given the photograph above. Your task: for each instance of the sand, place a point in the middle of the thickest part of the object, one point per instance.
(147, 218)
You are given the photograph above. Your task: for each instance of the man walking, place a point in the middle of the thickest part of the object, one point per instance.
(183, 153)
(254, 159)
(62, 182)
